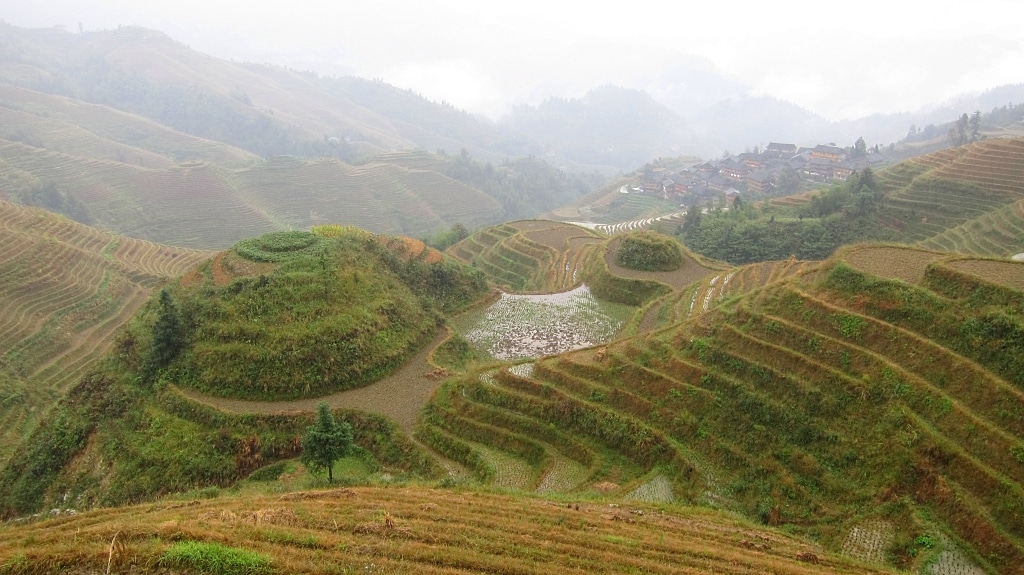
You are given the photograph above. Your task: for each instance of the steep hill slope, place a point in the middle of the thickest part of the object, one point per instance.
(66, 291)
(838, 401)
(267, 110)
(204, 205)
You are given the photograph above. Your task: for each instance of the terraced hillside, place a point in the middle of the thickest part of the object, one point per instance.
(961, 200)
(203, 205)
(881, 416)
(163, 143)
(79, 129)
(529, 255)
(407, 530)
(66, 290)
(381, 197)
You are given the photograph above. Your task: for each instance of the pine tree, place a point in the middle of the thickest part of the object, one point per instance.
(325, 442)
(167, 334)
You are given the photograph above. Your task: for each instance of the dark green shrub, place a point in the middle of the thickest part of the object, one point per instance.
(650, 251)
(278, 246)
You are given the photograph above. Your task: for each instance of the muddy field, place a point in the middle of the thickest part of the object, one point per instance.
(553, 234)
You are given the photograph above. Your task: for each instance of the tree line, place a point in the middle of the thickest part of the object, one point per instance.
(840, 214)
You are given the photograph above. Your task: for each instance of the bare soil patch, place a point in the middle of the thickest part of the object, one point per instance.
(1004, 273)
(907, 264)
(552, 234)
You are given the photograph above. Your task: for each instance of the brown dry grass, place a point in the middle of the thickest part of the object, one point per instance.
(904, 263)
(417, 530)
(1004, 273)
(410, 248)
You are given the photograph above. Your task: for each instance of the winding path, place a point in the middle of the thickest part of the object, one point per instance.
(399, 396)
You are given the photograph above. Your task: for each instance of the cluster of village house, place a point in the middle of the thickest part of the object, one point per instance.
(756, 173)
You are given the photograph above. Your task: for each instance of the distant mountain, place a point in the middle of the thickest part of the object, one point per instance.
(610, 125)
(140, 135)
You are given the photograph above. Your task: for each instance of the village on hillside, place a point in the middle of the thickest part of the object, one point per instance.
(777, 169)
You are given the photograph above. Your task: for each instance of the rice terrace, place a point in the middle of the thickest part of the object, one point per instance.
(829, 381)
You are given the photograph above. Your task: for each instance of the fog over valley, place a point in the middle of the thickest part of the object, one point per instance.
(792, 73)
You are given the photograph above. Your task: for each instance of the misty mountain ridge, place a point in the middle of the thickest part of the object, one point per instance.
(691, 109)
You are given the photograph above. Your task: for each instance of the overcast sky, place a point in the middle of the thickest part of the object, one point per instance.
(841, 60)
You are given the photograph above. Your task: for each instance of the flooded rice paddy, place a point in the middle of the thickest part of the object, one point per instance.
(520, 326)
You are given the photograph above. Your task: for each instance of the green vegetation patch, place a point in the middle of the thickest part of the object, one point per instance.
(336, 313)
(215, 559)
(279, 246)
(650, 251)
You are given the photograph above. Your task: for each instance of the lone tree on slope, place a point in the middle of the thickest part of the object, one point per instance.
(325, 442)
(167, 333)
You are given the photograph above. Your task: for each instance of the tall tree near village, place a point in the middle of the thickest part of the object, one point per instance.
(325, 442)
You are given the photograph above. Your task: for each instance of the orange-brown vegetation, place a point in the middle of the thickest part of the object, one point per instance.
(410, 248)
(905, 263)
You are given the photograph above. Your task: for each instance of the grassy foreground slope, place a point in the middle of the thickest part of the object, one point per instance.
(66, 291)
(876, 395)
(407, 530)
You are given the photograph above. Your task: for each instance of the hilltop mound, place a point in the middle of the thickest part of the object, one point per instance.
(548, 256)
(297, 314)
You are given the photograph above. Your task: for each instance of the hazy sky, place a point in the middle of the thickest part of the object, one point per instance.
(838, 59)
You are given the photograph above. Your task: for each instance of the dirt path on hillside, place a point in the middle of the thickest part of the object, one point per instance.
(400, 396)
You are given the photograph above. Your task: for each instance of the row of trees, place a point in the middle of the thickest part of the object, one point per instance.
(966, 129)
(840, 214)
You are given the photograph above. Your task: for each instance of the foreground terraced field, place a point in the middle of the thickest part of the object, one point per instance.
(407, 530)
(66, 290)
(833, 399)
